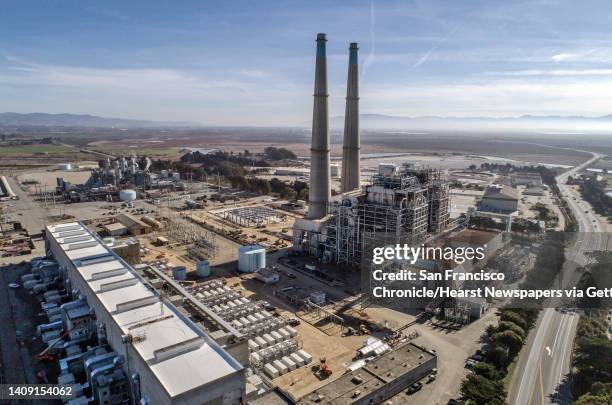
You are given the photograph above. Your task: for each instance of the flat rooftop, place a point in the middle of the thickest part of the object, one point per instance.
(177, 352)
(353, 386)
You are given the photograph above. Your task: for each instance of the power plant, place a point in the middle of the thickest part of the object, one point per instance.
(405, 204)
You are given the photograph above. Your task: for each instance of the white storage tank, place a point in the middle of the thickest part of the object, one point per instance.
(203, 268)
(176, 176)
(64, 166)
(127, 195)
(251, 258)
(179, 272)
(164, 174)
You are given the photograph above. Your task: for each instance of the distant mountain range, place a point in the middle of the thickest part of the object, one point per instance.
(367, 121)
(81, 120)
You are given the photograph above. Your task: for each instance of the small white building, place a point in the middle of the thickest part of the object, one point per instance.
(267, 276)
(251, 258)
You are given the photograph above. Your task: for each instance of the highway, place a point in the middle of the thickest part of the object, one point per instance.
(542, 372)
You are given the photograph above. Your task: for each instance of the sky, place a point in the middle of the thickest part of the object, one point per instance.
(252, 62)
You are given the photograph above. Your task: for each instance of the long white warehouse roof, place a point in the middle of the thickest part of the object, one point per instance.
(179, 354)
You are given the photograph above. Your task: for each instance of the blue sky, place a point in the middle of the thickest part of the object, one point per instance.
(252, 62)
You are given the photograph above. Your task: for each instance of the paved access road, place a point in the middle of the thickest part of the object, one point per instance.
(542, 372)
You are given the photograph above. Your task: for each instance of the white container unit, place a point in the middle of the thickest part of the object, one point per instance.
(269, 339)
(255, 358)
(253, 346)
(291, 331)
(280, 366)
(277, 336)
(289, 363)
(285, 333)
(297, 359)
(307, 357)
(261, 342)
(271, 371)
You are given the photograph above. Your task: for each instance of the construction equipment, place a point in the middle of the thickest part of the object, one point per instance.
(322, 370)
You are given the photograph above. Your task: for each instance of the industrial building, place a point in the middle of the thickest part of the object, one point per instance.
(378, 380)
(528, 179)
(399, 205)
(499, 198)
(114, 179)
(134, 225)
(164, 357)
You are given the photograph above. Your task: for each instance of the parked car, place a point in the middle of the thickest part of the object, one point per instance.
(415, 387)
(470, 363)
(291, 275)
(293, 322)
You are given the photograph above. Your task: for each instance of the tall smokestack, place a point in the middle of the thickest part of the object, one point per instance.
(351, 144)
(320, 191)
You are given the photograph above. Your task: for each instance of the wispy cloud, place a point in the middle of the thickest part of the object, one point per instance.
(431, 50)
(369, 60)
(555, 72)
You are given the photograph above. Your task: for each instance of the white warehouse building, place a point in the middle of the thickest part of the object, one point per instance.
(251, 258)
(169, 359)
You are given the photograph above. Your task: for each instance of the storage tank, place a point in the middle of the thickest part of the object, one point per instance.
(164, 174)
(179, 272)
(64, 166)
(127, 195)
(334, 170)
(203, 268)
(152, 221)
(176, 176)
(251, 258)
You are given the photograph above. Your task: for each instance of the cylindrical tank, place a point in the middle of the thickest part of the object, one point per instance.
(176, 176)
(251, 258)
(203, 268)
(127, 195)
(152, 221)
(164, 173)
(179, 272)
(64, 166)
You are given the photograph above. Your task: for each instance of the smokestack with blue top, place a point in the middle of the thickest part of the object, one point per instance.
(320, 180)
(351, 143)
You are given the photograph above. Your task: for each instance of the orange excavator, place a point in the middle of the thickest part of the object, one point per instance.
(322, 370)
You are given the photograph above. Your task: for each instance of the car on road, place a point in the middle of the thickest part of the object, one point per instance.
(291, 275)
(431, 378)
(415, 387)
